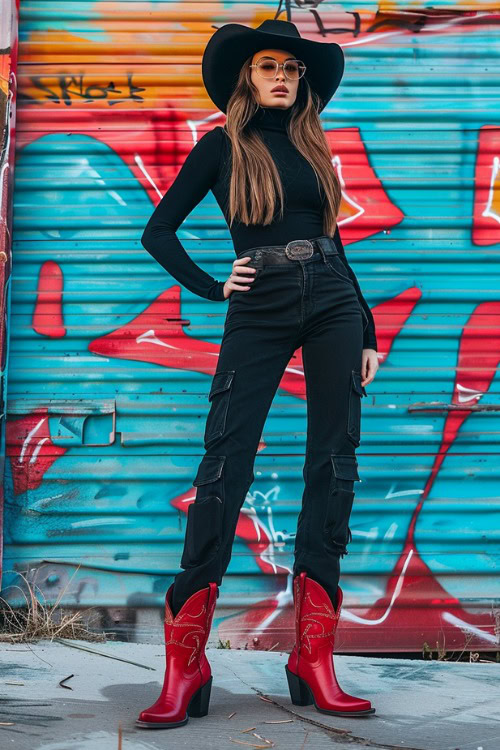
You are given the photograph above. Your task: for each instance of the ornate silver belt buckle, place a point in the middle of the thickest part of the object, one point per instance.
(299, 249)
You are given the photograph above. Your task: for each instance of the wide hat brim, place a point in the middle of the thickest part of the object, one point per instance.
(233, 43)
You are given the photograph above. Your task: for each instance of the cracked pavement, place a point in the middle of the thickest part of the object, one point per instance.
(422, 705)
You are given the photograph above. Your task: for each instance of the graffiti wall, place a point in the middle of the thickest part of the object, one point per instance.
(9, 13)
(111, 359)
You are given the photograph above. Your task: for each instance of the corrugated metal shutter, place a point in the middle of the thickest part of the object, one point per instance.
(111, 360)
(9, 18)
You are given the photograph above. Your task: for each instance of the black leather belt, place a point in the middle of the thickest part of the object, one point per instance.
(291, 252)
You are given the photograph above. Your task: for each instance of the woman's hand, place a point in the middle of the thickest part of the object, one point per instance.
(241, 277)
(369, 366)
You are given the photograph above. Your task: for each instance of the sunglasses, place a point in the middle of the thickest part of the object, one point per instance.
(293, 69)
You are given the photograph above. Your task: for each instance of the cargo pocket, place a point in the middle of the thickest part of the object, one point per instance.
(354, 416)
(337, 533)
(220, 391)
(204, 518)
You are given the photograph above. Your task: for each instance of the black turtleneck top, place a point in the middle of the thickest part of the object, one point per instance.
(208, 167)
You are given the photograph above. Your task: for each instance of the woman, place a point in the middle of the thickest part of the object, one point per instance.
(291, 286)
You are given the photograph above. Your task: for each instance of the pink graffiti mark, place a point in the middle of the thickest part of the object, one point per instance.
(156, 335)
(478, 358)
(414, 609)
(47, 314)
(249, 528)
(486, 212)
(30, 449)
(391, 316)
(158, 161)
(412, 589)
(365, 209)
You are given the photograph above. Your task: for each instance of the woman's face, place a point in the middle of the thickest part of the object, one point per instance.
(266, 96)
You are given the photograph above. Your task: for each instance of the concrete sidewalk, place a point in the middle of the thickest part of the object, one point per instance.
(425, 705)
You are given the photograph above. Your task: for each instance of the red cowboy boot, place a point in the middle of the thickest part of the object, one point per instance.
(310, 670)
(188, 676)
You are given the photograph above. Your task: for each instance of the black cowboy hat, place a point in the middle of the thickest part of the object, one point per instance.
(233, 43)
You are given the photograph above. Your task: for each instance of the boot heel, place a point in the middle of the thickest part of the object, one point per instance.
(198, 705)
(299, 691)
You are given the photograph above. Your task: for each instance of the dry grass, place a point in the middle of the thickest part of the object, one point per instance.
(465, 655)
(38, 620)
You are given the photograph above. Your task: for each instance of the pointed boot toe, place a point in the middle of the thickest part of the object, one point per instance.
(310, 669)
(188, 676)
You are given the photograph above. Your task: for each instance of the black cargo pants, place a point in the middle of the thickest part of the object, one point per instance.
(309, 303)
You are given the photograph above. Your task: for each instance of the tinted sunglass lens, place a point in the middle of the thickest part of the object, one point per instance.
(268, 68)
(294, 69)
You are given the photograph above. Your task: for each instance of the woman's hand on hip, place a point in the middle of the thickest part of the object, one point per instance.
(369, 366)
(241, 278)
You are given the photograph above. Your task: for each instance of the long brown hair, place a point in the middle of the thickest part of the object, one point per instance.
(255, 182)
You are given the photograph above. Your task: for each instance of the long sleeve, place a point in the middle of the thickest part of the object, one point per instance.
(192, 183)
(369, 334)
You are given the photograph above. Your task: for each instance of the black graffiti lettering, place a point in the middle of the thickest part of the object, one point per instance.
(73, 87)
(414, 23)
(308, 3)
(94, 93)
(355, 30)
(132, 92)
(51, 95)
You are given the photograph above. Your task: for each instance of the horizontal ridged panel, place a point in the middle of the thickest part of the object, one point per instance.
(104, 441)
